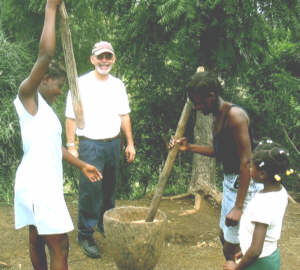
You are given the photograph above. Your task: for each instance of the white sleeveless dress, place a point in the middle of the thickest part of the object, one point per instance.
(39, 198)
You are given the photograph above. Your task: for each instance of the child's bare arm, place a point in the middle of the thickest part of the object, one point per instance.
(238, 122)
(28, 87)
(90, 171)
(194, 148)
(253, 252)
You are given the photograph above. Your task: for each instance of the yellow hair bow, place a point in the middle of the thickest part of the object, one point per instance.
(277, 177)
(289, 172)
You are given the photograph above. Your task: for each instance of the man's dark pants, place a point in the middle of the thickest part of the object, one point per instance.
(95, 198)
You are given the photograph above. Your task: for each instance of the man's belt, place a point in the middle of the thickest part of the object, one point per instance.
(100, 140)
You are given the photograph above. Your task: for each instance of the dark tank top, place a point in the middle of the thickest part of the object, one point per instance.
(226, 148)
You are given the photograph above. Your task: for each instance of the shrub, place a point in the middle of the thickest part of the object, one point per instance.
(14, 66)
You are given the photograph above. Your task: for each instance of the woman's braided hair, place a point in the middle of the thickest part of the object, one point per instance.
(272, 158)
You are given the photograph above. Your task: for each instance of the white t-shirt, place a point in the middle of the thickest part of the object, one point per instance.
(267, 208)
(102, 103)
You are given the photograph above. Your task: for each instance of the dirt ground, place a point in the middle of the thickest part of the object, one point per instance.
(191, 240)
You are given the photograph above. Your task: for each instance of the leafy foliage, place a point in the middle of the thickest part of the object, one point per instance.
(13, 69)
(235, 38)
(274, 86)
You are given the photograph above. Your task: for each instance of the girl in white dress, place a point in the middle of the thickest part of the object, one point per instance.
(39, 200)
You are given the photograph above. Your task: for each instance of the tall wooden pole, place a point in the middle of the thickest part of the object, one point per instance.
(164, 175)
(70, 65)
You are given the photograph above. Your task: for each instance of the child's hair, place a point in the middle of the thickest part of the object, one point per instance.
(202, 83)
(272, 158)
(56, 69)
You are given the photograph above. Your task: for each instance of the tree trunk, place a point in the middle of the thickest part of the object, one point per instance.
(204, 168)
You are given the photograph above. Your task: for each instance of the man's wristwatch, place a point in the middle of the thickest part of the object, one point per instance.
(70, 144)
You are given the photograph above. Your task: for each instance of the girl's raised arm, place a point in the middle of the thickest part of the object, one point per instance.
(28, 88)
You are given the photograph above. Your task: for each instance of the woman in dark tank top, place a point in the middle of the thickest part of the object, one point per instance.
(232, 142)
(226, 148)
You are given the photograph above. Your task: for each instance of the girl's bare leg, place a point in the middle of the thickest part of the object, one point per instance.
(58, 246)
(37, 249)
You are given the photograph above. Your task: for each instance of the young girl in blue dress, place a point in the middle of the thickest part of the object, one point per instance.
(261, 223)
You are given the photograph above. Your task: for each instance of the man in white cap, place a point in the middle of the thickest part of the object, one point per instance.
(106, 110)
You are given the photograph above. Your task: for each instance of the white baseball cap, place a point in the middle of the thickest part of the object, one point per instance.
(102, 47)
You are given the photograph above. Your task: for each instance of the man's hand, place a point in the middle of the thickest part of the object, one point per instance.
(73, 151)
(233, 217)
(130, 153)
(182, 142)
(91, 172)
(229, 265)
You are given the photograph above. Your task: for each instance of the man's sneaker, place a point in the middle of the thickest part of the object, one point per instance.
(89, 247)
